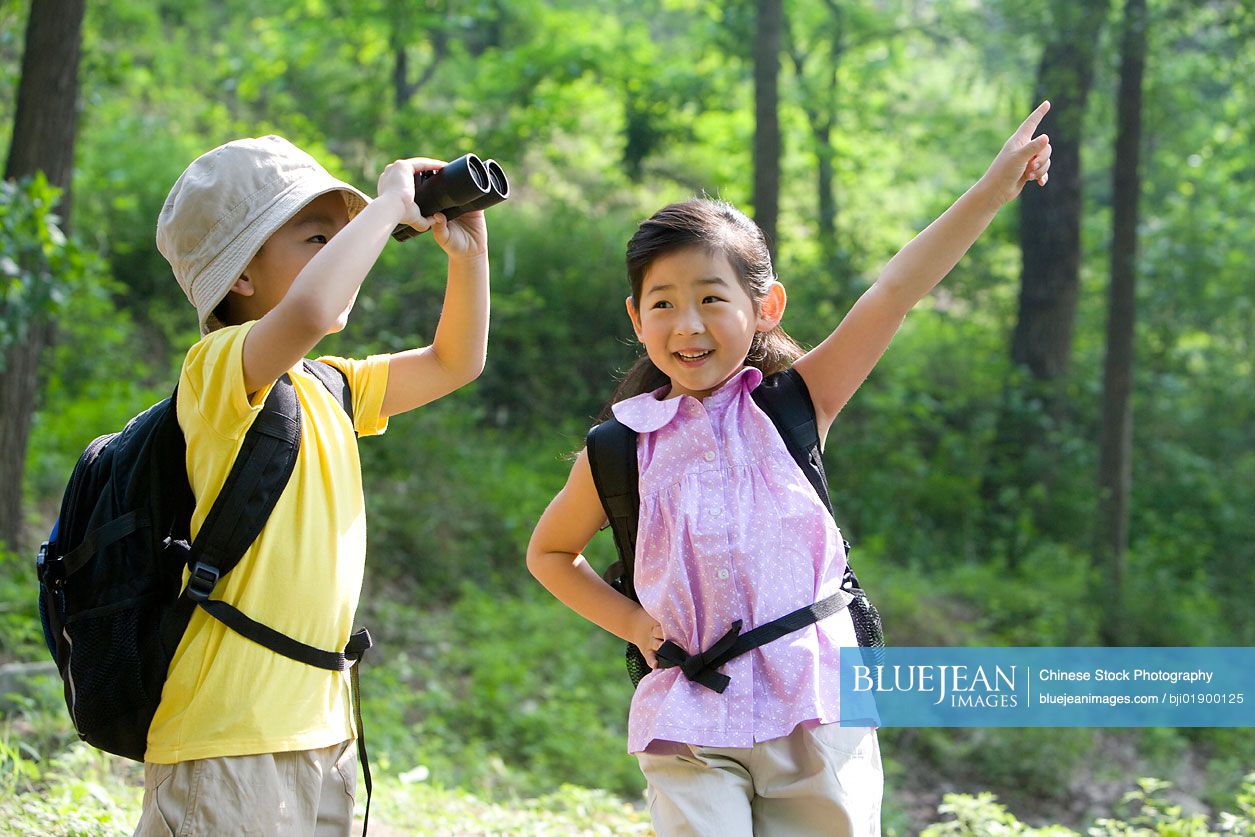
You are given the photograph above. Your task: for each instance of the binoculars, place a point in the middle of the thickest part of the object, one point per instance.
(465, 185)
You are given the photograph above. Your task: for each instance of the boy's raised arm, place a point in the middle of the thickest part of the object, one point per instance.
(456, 354)
(322, 293)
(836, 368)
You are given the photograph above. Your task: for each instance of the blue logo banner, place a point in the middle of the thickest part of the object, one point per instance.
(1048, 687)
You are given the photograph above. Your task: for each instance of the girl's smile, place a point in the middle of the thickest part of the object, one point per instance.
(692, 357)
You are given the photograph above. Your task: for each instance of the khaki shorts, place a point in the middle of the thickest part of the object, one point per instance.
(302, 792)
(818, 780)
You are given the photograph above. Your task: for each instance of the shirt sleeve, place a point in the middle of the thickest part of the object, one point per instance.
(211, 382)
(368, 381)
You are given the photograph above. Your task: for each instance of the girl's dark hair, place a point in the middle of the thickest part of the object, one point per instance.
(718, 227)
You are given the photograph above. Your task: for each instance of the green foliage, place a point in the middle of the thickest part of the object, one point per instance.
(505, 696)
(991, 757)
(452, 502)
(39, 265)
(80, 791)
(568, 810)
(97, 376)
(51, 783)
(21, 637)
(982, 816)
(1149, 813)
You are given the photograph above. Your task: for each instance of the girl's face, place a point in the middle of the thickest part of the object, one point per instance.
(697, 321)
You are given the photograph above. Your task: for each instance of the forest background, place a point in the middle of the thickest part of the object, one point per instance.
(1056, 450)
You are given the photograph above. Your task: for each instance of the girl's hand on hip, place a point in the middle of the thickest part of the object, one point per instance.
(1023, 158)
(647, 636)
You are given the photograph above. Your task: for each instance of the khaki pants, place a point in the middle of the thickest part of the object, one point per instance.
(818, 780)
(302, 792)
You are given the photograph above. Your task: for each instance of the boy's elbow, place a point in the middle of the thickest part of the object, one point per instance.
(476, 368)
(313, 315)
(467, 371)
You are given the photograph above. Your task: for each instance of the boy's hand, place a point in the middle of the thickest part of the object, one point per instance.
(465, 236)
(1023, 158)
(647, 636)
(397, 183)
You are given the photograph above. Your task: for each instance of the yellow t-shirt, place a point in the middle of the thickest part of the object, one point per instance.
(226, 695)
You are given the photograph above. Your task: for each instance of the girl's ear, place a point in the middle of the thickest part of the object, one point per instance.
(635, 317)
(771, 310)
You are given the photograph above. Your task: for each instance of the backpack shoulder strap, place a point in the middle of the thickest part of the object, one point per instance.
(258, 476)
(787, 402)
(336, 382)
(612, 458)
(261, 471)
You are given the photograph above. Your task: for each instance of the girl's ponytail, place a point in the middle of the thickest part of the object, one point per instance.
(773, 351)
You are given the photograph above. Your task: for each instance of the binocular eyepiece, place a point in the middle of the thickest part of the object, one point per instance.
(465, 185)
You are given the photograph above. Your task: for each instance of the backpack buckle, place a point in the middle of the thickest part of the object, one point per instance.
(359, 643)
(202, 581)
(46, 570)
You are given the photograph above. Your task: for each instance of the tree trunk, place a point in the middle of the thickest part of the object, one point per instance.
(1017, 482)
(766, 198)
(47, 95)
(823, 128)
(825, 183)
(401, 90)
(820, 108)
(43, 140)
(1050, 219)
(1115, 468)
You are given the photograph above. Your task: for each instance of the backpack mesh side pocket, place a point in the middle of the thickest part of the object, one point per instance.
(111, 686)
(867, 627)
(636, 665)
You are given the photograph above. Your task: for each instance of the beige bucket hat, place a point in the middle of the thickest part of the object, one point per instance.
(226, 205)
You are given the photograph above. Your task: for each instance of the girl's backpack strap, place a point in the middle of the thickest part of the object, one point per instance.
(787, 402)
(612, 458)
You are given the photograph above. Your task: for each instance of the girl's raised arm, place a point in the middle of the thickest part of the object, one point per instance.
(836, 368)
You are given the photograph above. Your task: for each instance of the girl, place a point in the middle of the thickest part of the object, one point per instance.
(730, 529)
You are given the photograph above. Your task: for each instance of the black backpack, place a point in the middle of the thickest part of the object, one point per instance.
(612, 458)
(111, 594)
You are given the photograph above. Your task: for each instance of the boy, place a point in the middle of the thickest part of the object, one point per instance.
(271, 250)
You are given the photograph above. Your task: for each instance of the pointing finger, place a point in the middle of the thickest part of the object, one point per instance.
(1025, 131)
